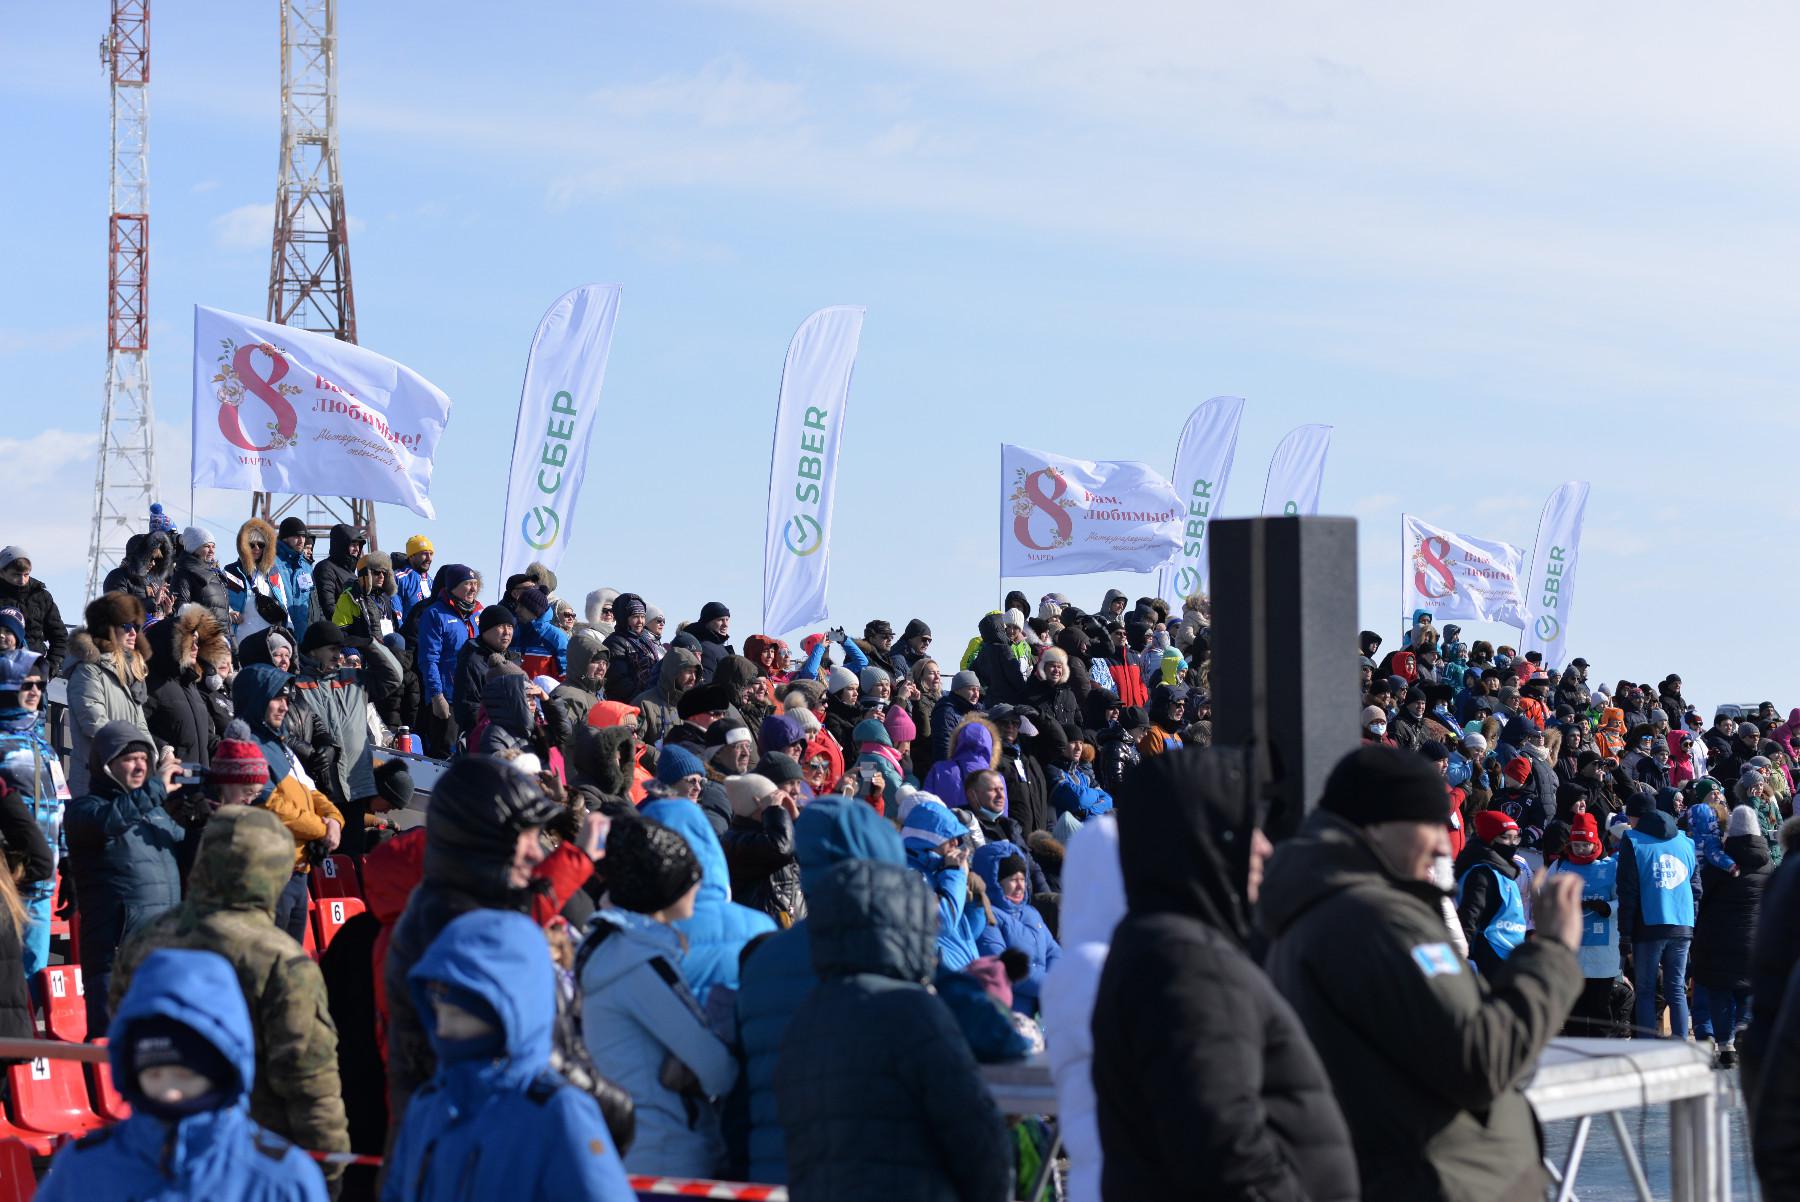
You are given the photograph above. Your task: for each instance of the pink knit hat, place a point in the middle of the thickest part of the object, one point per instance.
(900, 728)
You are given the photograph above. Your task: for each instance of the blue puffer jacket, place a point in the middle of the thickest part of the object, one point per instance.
(544, 637)
(779, 973)
(636, 1013)
(1074, 791)
(960, 917)
(1020, 927)
(207, 1157)
(121, 859)
(441, 633)
(497, 1121)
(296, 580)
(720, 928)
(877, 1090)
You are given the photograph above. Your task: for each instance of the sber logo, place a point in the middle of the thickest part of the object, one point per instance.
(802, 536)
(540, 526)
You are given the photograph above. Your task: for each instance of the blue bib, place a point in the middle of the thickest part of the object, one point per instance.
(1507, 928)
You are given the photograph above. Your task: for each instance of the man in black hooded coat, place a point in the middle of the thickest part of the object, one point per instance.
(1202, 1073)
(338, 571)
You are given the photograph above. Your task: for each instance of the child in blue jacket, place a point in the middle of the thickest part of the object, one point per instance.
(497, 1121)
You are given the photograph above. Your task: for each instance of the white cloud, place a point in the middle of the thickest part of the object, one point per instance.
(247, 227)
(724, 94)
(203, 186)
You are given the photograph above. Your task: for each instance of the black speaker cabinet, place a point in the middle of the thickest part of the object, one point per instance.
(1284, 677)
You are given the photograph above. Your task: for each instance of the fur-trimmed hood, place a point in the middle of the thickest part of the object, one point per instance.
(182, 642)
(265, 562)
(379, 559)
(140, 555)
(962, 737)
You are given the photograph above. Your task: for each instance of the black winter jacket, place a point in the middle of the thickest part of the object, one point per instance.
(1774, 953)
(1362, 956)
(26, 846)
(334, 574)
(1027, 789)
(764, 874)
(1725, 928)
(997, 666)
(194, 581)
(175, 706)
(45, 630)
(878, 1093)
(477, 809)
(1202, 1073)
(140, 573)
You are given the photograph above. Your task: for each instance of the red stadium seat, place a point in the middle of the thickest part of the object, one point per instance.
(108, 1105)
(333, 913)
(308, 938)
(17, 1182)
(62, 1002)
(49, 1099)
(336, 877)
(59, 927)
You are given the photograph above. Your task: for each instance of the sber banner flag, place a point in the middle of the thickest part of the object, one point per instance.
(803, 466)
(1202, 469)
(1550, 588)
(557, 406)
(282, 410)
(1065, 517)
(1296, 472)
(1458, 575)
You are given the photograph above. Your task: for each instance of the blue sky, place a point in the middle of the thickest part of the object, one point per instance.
(1495, 250)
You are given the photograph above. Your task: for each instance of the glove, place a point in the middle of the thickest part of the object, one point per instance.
(440, 708)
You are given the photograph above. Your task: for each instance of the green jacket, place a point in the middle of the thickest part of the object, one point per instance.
(1426, 1057)
(245, 858)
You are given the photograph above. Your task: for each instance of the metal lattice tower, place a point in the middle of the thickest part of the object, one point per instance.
(309, 269)
(125, 477)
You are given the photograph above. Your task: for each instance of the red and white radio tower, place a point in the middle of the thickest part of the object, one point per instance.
(309, 271)
(125, 479)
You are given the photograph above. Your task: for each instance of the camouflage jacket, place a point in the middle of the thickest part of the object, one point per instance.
(245, 858)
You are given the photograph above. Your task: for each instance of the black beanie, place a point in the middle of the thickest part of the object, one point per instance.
(321, 634)
(1376, 783)
(496, 615)
(779, 767)
(1008, 866)
(394, 783)
(648, 866)
(291, 527)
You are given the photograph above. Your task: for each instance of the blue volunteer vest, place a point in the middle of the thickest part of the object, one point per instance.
(1665, 870)
(1507, 928)
(1599, 950)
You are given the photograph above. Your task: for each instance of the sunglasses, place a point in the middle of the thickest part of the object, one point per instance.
(30, 684)
(131, 626)
(717, 713)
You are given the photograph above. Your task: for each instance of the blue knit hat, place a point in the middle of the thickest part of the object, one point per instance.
(676, 762)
